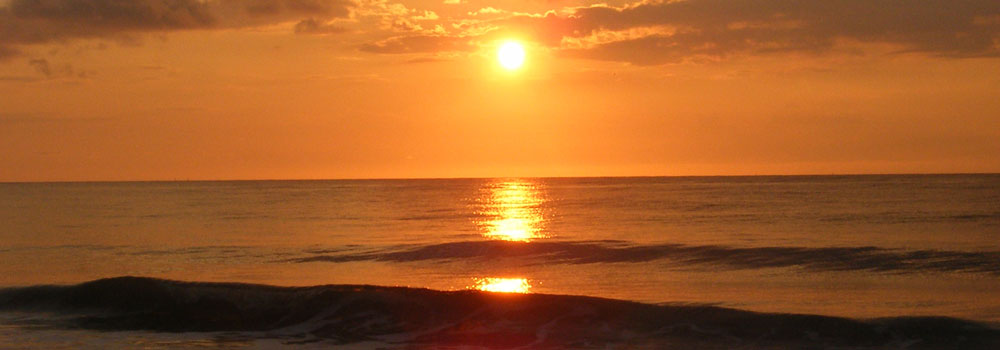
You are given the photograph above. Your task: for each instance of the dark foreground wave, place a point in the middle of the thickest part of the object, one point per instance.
(582, 252)
(425, 319)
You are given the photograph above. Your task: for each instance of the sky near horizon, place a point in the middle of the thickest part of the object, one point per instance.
(305, 89)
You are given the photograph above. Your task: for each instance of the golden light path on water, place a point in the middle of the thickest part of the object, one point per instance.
(511, 211)
(502, 285)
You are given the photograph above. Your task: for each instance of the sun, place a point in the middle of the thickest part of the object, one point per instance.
(511, 55)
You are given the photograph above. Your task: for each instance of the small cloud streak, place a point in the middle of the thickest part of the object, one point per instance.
(420, 43)
(49, 71)
(313, 26)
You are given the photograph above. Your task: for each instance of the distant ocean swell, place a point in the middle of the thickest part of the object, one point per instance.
(425, 319)
(583, 252)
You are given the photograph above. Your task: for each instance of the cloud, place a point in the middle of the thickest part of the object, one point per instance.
(394, 17)
(245, 13)
(489, 10)
(719, 28)
(24, 22)
(49, 70)
(420, 43)
(647, 32)
(313, 26)
(41, 65)
(651, 32)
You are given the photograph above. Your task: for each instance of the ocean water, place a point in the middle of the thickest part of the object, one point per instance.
(888, 261)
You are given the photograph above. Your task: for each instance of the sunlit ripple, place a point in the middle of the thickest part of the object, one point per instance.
(511, 211)
(502, 285)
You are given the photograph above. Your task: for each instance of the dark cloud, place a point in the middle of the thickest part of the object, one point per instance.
(241, 13)
(420, 43)
(113, 14)
(42, 66)
(294, 7)
(313, 26)
(962, 28)
(42, 21)
(49, 70)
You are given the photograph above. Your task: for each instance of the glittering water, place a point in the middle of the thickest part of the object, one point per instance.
(853, 246)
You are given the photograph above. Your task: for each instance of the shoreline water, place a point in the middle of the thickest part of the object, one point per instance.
(400, 317)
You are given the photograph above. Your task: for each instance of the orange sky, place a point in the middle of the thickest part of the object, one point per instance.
(251, 89)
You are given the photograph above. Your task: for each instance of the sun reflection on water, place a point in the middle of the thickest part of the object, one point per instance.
(511, 211)
(502, 285)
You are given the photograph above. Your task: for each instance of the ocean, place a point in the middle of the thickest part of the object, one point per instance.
(858, 262)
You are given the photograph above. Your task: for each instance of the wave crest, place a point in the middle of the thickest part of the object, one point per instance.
(422, 317)
(582, 252)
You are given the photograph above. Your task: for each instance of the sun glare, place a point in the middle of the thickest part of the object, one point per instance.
(511, 55)
(502, 285)
(511, 211)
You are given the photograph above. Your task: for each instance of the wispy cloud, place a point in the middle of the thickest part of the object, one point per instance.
(420, 43)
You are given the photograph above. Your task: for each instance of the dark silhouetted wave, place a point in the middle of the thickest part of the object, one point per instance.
(421, 318)
(816, 259)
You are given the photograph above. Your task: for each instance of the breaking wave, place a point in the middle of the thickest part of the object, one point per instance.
(421, 318)
(583, 252)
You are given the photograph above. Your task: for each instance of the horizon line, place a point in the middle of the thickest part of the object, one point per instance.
(498, 177)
